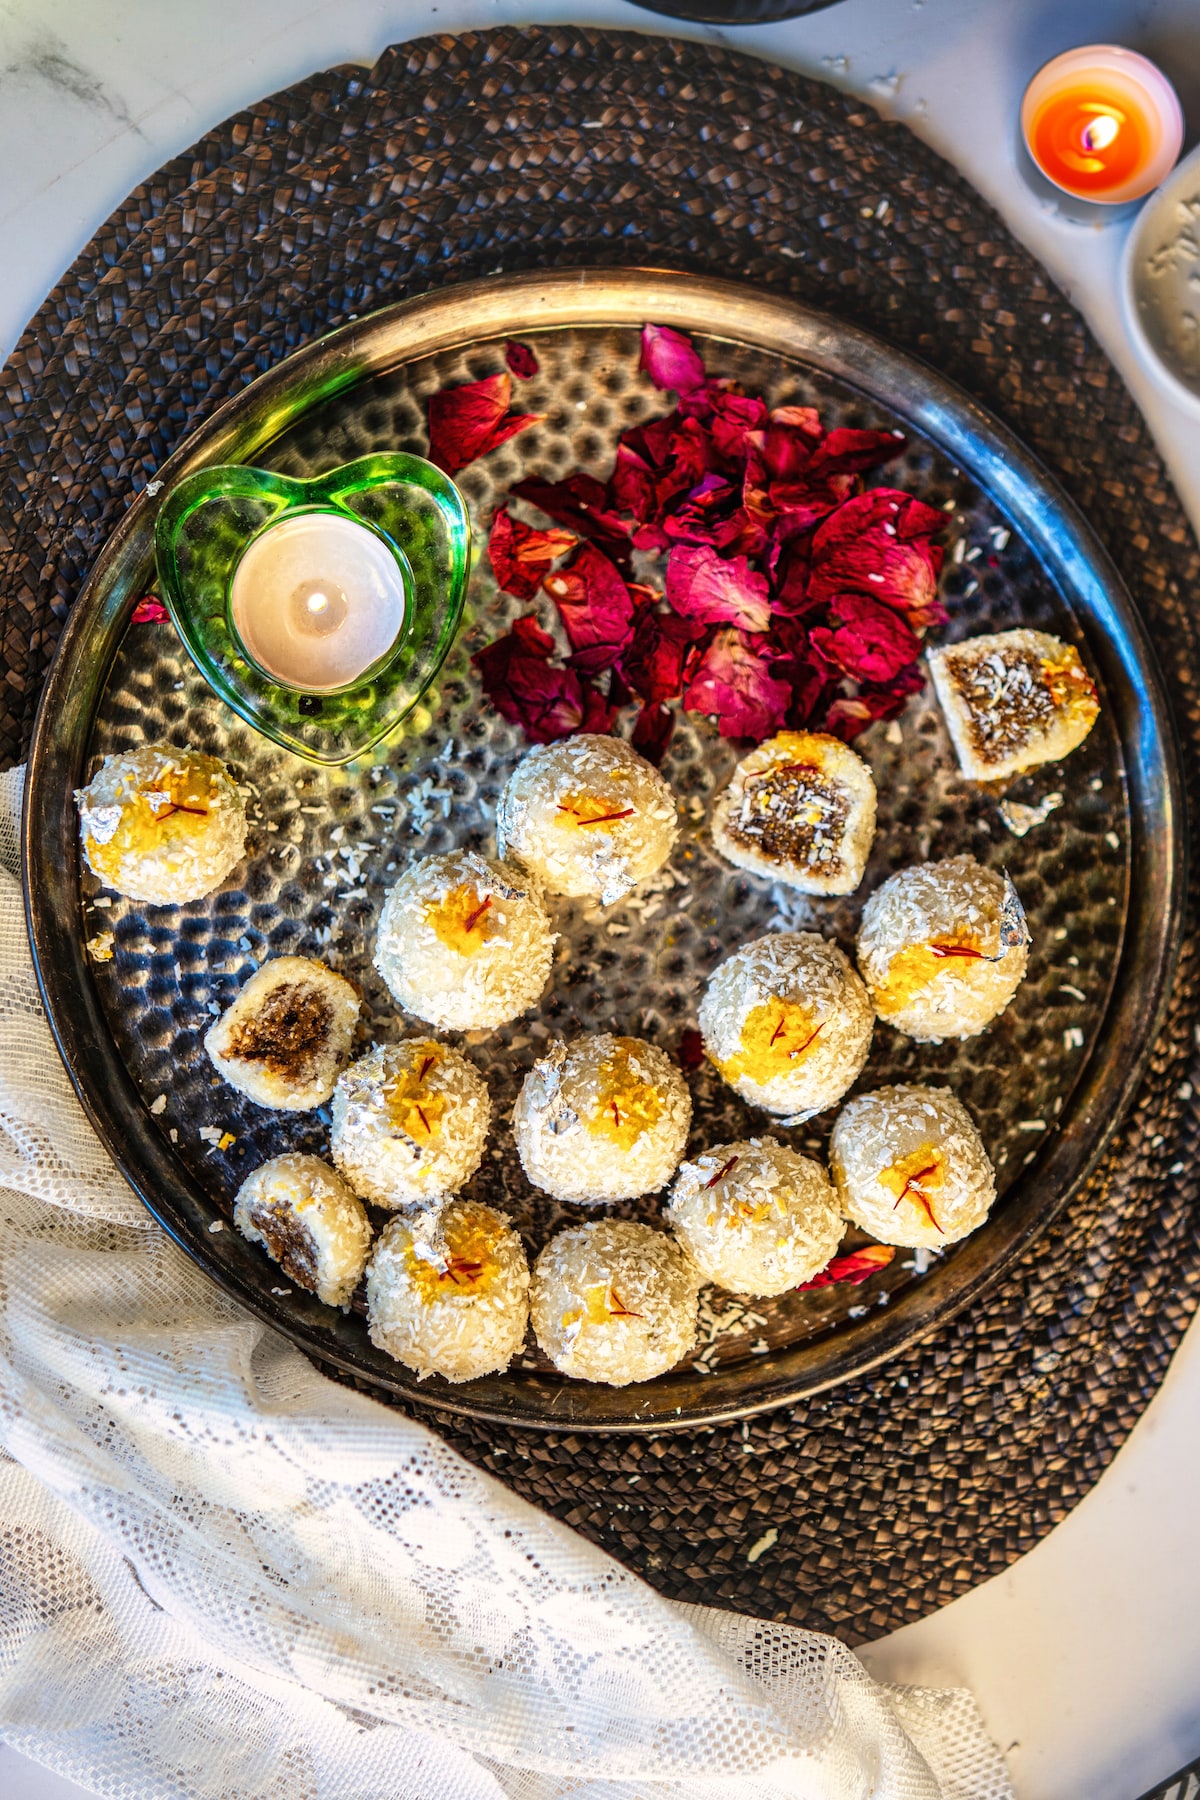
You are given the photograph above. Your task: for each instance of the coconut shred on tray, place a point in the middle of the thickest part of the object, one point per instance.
(467, 939)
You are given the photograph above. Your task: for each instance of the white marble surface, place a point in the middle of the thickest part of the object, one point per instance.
(1086, 1654)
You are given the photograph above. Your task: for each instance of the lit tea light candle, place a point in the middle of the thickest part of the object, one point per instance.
(1102, 123)
(317, 600)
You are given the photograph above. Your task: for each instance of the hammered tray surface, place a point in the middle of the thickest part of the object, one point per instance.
(458, 156)
(326, 844)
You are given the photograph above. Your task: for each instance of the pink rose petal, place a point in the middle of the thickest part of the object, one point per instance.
(149, 611)
(716, 590)
(670, 359)
(733, 682)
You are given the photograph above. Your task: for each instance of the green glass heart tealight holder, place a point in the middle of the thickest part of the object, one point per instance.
(321, 610)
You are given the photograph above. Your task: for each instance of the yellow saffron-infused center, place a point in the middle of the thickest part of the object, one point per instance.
(915, 1178)
(165, 811)
(915, 967)
(776, 1037)
(464, 920)
(600, 1304)
(412, 1105)
(628, 1104)
(467, 1266)
(591, 812)
(1071, 687)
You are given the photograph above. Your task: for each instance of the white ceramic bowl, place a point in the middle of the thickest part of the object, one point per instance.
(1160, 283)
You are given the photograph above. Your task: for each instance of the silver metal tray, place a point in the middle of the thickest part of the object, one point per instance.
(1101, 877)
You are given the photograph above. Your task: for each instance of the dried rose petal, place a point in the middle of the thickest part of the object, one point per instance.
(877, 544)
(716, 590)
(657, 660)
(734, 682)
(596, 609)
(690, 1054)
(854, 1267)
(523, 685)
(521, 360)
(467, 422)
(869, 642)
(149, 611)
(734, 416)
(653, 730)
(846, 717)
(670, 359)
(580, 502)
(521, 554)
(631, 484)
(846, 452)
(699, 518)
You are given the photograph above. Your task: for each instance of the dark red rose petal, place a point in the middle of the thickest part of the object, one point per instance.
(521, 360)
(467, 422)
(716, 590)
(734, 417)
(596, 609)
(653, 730)
(631, 484)
(734, 682)
(690, 1054)
(523, 685)
(854, 1267)
(656, 663)
(868, 642)
(149, 611)
(581, 503)
(670, 359)
(521, 554)
(699, 519)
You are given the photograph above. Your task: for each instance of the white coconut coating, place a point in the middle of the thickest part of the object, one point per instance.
(614, 1302)
(800, 809)
(604, 1118)
(161, 824)
(587, 817)
(910, 1167)
(755, 1216)
(309, 1222)
(449, 1295)
(943, 947)
(287, 1034)
(464, 943)
(410, 1121)
(787, 1022)
(1012, 700)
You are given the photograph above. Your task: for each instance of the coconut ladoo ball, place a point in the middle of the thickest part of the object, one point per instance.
(943, 947)
(449, 1296)
(1012, 700)
(756, 1217)
(614, 1302)
(287, 1035)
(463, 942)
(602, 1119)
(910, 1167)
(787, 1023)
(800, 809)
(309, 1222)
(410, 1122)
(161, 825)
(588, 817)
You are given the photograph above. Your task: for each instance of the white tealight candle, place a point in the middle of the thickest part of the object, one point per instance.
(316, 600)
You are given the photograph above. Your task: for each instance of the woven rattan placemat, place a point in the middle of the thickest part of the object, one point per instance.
(457, 157)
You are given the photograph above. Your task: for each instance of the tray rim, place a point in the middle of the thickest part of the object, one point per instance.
(971, 436)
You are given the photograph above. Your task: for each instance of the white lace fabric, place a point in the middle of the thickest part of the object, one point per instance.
(224, 1577)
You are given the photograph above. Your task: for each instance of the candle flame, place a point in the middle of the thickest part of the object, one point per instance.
(1100, 131)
